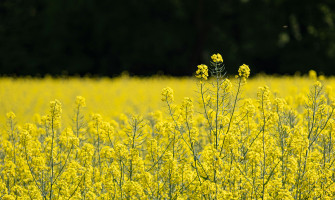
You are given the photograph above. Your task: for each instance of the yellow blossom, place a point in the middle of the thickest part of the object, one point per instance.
(202, 72)
(244, 71)
(217, 58)
(167, 94)
(11, 115)
(80, 101)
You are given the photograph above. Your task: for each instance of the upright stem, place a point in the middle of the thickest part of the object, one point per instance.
(51, 156)
(232, 114)
(99, 160)
(77, 121)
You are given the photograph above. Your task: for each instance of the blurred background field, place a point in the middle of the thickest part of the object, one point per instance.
(113, 96)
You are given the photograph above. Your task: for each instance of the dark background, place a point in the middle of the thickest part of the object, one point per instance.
(145, 37)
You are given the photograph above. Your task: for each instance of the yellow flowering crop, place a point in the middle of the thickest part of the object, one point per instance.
(217, 58)
(137, 138)
(202, 72)
(244, 71)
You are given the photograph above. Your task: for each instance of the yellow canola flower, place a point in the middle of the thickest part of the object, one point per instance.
(202, 72)
(55, 108)
(80, 101)
(55, 111)
(244, 71)
(97, 119)
(217, 58)
(11, 115)
(167, 94)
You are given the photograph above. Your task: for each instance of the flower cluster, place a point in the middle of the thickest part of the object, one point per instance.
(167, 94)
(244, 71)
(80, 101)
(217, 58)
(202, 72)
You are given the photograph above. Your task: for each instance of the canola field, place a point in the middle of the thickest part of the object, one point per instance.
(203, 137)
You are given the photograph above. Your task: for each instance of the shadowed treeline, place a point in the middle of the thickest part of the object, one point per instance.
(172, 36)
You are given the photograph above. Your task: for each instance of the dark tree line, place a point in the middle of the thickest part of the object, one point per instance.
(106, 37)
